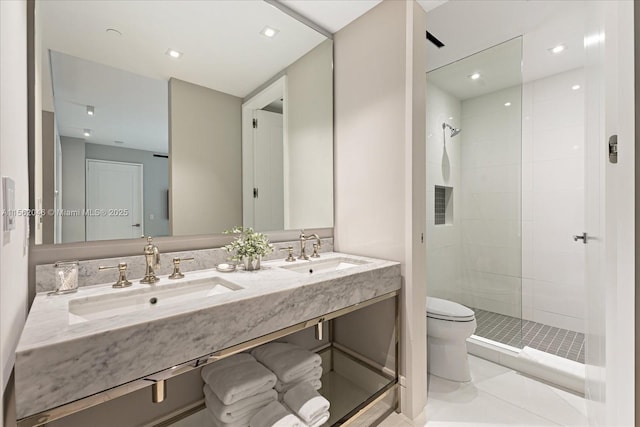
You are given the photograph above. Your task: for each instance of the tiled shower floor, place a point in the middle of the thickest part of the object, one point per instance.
(519, 333)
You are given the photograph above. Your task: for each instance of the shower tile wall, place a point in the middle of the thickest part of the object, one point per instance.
(552, 201)
(443, 169)
(491, 200)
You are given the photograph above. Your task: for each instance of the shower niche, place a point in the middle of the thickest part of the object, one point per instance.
(443, 205)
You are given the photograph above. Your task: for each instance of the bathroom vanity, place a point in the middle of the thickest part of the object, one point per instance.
(83, 349)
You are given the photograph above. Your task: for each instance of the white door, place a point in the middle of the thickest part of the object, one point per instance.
(610, 214)
(114, 200)
(268, 195)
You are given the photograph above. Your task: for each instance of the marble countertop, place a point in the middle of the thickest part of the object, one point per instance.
(59, 360)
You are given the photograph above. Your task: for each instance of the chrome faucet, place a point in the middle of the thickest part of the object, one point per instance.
(303, 244)
(152, 258)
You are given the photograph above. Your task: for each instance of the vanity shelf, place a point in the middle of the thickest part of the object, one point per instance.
(360, 394)
(357, 389)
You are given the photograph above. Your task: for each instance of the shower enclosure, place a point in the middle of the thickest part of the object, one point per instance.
(505, 154)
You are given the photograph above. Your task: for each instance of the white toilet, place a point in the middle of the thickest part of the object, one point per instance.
(449, 324)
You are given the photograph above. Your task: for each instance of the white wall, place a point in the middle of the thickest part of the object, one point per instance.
(491, 244)
(309, 130)
(73, 182)
(444, 252)
(553, 265)
(48, 174)
(380, 182)
(205, 146)
(13, 163)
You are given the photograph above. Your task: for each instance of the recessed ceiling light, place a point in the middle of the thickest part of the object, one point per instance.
(507, 104)
(114, 32)
(269, 32)
(474, 76)
(87, 132)
(90, 110)
(173, 53)
(450, 118)
(557, 49)
(575, 87)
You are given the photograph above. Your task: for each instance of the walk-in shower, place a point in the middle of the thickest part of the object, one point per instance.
(505, 199)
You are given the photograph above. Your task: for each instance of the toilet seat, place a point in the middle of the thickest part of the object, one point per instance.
(448, 310)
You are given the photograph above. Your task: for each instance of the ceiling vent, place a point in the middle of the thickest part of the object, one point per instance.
(433, 39)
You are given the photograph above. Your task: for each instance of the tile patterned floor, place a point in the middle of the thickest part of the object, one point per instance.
(497, 396)
(519, 333)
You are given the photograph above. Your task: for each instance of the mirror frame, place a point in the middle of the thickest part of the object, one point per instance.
(49, 253)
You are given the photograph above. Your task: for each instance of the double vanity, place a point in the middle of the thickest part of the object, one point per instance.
(79, 350)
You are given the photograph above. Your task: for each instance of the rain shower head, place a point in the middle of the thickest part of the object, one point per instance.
(454, 131)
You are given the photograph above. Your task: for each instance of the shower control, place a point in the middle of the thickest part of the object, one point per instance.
(582, 237)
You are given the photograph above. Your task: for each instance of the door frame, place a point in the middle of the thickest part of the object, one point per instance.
(263, 98)
(612, 334)
(86, 195)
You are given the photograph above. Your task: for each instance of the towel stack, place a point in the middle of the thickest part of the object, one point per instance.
(298, 373)
(236, 389)
(307, 404)
(291, 364)
(275, 415)
(308, 407)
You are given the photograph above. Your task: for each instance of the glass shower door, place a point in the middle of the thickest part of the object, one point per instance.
(474, 146)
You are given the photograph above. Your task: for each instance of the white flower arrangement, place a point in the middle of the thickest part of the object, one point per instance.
(248, 244)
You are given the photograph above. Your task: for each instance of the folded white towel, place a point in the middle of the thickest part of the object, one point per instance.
(289, 362)
(239, 380)
(313, 376)
(306, 402)
(285, 387)
(241, 408)
(226, 363)
(244, 422)
(275, 415)
(316, 384)
(319, 420)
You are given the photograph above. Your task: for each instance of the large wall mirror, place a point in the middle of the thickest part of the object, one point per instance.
(176, 118)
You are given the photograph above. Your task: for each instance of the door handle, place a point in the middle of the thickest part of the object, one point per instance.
(136, 225)
(582, 237)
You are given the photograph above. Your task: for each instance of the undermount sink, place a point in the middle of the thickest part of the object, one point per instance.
(148, 298)
(323, 265)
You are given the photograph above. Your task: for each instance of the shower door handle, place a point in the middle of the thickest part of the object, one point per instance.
(582, 237)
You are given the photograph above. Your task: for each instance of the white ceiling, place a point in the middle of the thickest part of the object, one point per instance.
(128, 107)
(468, 27)
(499, 68)
(150, 27)
(429, 5)
(332, 15)
(221, 42)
